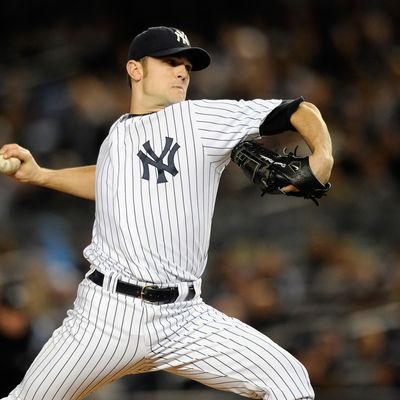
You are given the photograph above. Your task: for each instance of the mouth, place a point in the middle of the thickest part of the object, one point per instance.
(178, 87)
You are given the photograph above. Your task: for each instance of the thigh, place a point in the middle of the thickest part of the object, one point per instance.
(97, 343)
(229, 355)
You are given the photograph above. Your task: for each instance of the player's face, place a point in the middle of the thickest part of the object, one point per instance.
(166, 79)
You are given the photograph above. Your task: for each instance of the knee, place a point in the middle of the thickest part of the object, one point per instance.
(288, 393)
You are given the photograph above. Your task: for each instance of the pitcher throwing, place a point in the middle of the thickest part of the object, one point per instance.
(139, 307)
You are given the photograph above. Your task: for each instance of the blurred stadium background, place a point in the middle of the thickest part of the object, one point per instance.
(323, 281)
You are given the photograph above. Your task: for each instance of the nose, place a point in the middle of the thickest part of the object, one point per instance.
(182, 72)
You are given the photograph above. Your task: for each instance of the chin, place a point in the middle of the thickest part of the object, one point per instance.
(177, 99)
(178, 96)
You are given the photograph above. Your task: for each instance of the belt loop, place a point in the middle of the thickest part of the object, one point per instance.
(90, 271)
(183, 290)
(113, 281)
(197, 287)
(107, 282)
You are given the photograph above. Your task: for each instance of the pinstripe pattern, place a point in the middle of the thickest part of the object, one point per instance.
(157, 178)
(108, 335)
(222, 352)
(152, 232)
(99, 338)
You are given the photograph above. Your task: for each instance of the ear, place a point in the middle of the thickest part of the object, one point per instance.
(134, 70)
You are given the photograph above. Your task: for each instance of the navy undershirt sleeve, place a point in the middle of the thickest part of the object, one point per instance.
(278, 120)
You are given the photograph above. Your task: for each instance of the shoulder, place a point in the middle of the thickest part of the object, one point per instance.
(213, 107)
(213, 103)
(204, 106)
(231, 104)
(122, 118)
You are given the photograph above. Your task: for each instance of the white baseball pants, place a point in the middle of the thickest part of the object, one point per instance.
(108, 335)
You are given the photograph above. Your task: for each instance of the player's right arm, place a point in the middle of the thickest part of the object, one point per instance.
(77, 181)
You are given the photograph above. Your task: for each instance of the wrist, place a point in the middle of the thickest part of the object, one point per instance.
(42, 177)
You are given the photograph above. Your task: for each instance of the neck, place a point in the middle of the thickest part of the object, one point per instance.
(145, 104)
(141, 108)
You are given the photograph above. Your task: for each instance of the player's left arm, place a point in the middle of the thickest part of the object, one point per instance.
(308, 122)
(305, 118)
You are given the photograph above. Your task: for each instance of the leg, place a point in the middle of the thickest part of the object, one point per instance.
(97, 343)
(229, 355)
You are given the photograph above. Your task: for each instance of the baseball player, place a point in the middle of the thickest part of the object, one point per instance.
(139, 307)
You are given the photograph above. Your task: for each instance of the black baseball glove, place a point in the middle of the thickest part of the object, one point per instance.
(272, 171)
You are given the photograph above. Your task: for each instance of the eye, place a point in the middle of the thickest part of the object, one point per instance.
(174, 62)
(171, 61)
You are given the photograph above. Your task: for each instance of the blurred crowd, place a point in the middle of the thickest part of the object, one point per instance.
(324, 282)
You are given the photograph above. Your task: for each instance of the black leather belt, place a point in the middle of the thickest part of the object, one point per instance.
(150, 293)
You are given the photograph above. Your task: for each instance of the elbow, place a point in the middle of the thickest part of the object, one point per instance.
(307, 106)
(307, 113)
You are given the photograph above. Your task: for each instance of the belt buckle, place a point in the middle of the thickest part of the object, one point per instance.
(142, 292)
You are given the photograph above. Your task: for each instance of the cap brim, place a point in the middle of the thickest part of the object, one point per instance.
(198, 57)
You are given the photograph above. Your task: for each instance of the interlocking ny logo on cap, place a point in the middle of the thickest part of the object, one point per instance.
(161, 41)
(181, 36)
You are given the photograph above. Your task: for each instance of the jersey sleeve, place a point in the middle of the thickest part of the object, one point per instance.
(224, 123)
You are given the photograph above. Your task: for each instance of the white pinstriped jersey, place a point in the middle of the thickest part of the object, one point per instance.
(156, 183)
(157, 178)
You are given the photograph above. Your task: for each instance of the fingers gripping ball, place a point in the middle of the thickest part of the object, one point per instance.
(10, 165)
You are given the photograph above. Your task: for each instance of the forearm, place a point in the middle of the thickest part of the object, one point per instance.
(78, 181)
(308, 122)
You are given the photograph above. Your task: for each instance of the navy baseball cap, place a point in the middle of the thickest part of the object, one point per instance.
(162, 41)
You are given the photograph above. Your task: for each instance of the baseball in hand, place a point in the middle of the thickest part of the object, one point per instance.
(10, 165)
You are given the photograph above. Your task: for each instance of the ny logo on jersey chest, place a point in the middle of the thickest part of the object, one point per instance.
(151, 158)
